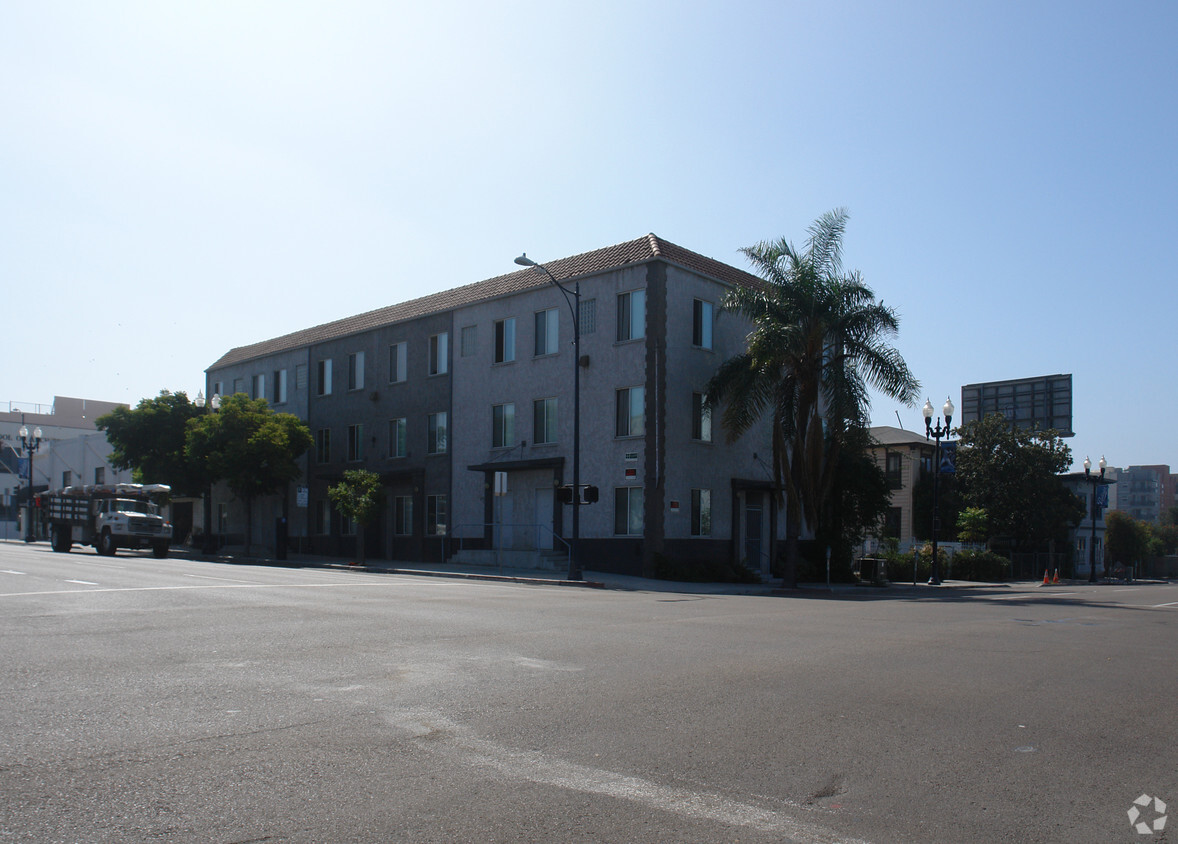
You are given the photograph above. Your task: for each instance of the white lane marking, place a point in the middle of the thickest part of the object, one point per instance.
(1160, 606)
(1034, 596)
(10, 571)
(439, 734)
(196, 587)
(83, 582)
(227, 579)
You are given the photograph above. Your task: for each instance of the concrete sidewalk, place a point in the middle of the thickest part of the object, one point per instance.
(592, 579)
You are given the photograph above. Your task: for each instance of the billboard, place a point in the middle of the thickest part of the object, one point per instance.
(1044, 402)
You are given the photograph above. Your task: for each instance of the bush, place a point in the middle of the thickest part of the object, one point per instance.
(980, 565)
(900, 565)
(702, 571)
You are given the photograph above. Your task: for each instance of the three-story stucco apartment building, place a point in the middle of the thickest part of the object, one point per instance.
(438, 394)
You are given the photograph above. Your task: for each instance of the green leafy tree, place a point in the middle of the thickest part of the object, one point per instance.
(149, 440)
(1126, 540)
(860, 500)
(359, 497)
(250, 447)
(1166, 537)
(818, 345)
(973, 525)
(1014, 475)
(948, 506)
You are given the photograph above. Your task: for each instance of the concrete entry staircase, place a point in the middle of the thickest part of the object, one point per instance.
(513, 558)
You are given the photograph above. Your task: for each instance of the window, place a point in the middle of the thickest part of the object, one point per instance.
(439, 354)
(356, 371)
(632, 315)
(895, 470)
(892, 521)
(628, 511)
(301, 376)
(67, 477)
(322, 518)
(701, 512)
(323, 377)
(355, 443)
(547, 331)
(631, 412)
(259, 387)
(544, 421)
(701, 324)
(403, 515)
(280, 386)
(435, 442)
(398, 371)
(701, 418)
(470, 338)
(435, 515)
(323, 445)
(218, 388)
(100, 475)
(238, 385)
(505, 340)
(397, 438)
(502, 425)
(588, 316)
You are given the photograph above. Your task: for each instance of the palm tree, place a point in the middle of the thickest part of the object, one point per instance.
(818, 344)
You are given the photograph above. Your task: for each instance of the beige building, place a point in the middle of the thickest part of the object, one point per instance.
(903, 456)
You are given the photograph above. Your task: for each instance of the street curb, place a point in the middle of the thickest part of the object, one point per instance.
(458, 575)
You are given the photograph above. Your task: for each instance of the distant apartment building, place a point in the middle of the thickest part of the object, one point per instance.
(1144, 492)
(439, 394)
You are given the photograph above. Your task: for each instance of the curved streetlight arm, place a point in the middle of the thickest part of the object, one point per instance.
(524, 261)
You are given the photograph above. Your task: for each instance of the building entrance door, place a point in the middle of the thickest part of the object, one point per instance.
(755, 556)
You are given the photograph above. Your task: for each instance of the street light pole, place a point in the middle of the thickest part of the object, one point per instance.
(936, 433)
(575, 306)
(207, 545)
(1094, 512)
(31, 443)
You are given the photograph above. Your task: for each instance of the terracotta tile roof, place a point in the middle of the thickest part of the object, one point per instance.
(638, 251)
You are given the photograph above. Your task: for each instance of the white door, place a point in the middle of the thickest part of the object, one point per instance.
(543, 517)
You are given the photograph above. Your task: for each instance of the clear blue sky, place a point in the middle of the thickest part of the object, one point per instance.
(179, 179)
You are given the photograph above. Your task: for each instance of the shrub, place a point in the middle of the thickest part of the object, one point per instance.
(900, 565)
(980, 565)
(702, 571)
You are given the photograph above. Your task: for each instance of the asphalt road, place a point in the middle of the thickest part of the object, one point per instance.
(172, 700)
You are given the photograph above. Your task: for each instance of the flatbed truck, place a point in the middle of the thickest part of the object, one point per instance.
(109, 517)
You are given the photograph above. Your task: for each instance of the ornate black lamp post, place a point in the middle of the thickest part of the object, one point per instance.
(1095, 512)
(936, 433)
(208, 546)
(31, 442)
(574, 304)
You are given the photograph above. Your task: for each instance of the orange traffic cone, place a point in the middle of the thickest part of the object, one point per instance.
(1055, 578)
(1046, 582)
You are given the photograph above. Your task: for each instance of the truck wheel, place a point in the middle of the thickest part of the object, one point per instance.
(62, 542)
(106, 543)
(159, 549)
